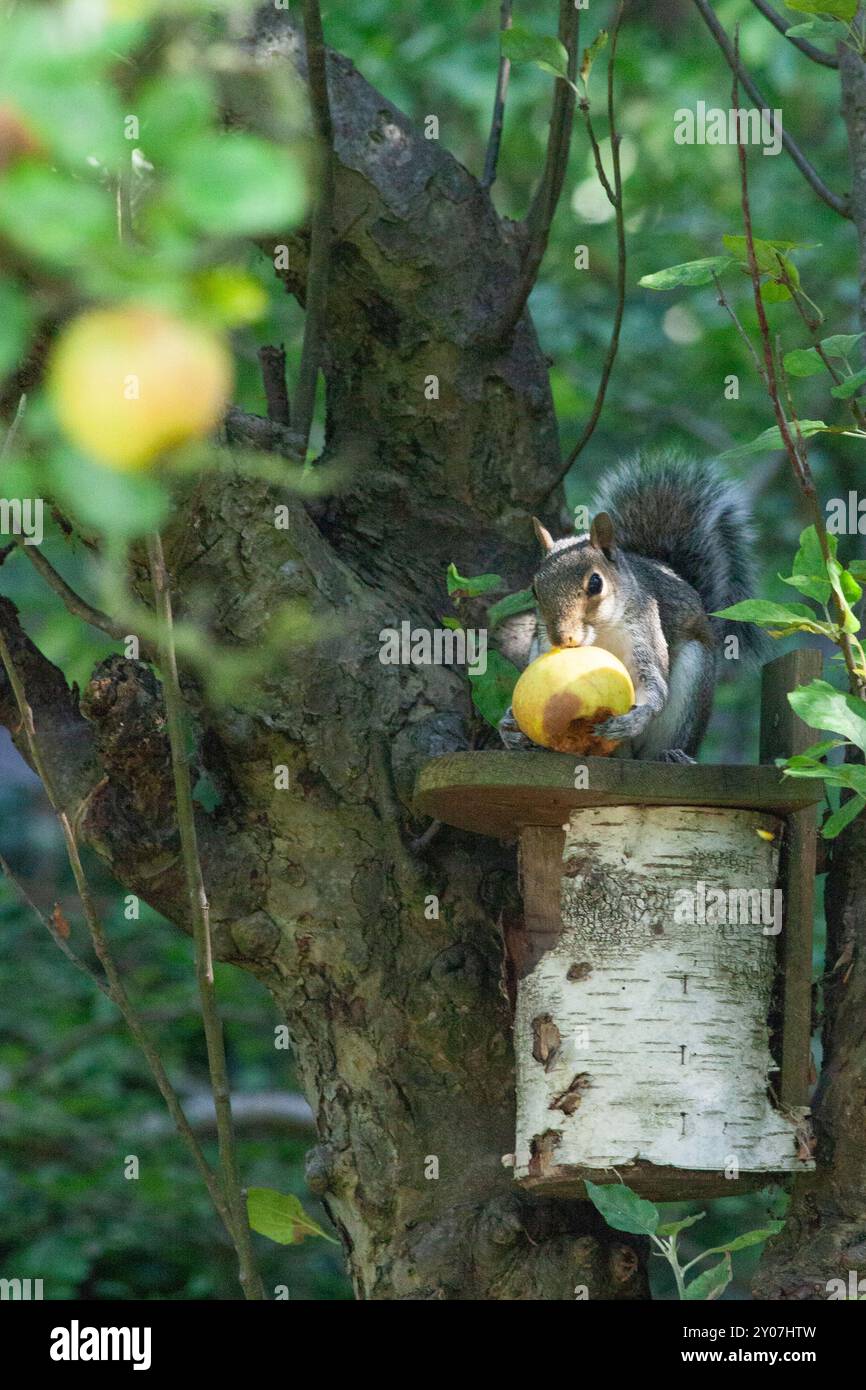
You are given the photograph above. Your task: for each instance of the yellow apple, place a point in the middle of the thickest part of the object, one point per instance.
(130, 383)
(565, 692)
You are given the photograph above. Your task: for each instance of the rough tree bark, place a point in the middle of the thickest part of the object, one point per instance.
(400, 1023)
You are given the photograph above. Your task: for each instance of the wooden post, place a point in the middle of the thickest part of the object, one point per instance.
(585, 842)
(640, 1033)
(783, 734)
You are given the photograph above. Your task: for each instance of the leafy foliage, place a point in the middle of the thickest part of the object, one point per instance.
(62, 1220)
(819, 704)
(624, 1210)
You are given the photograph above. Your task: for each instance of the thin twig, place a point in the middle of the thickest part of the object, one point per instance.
(491, 158)
(304, 403)
(615, 195)
(797, 455)
(115, 985)
(539, 219)
(725, 303)
(273, 364)
(811, 175)
(596, 152)
(813, 326)
(789, 399)
(13, 428)
(199, 915)
(827, 60)
(76, 605)
(59, 941)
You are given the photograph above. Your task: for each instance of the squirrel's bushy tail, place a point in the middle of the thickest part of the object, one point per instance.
(689, 516)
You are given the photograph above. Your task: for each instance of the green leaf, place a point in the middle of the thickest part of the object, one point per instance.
(836, 823)
(847, 591)
(772, 439)
(840, 344)
(689, 273)
(773, 292)
(850, 386)
(673, 1228)
(512, 603)
(839, 9)
(816, 29)
(810, 575)
(849, 775)
(770, 256)
(803, 362)
(809, 756)
(712, 1282)
(765, 613)
(73, 110)
(623, 1209)
(281, 1218)
(16, 324)
(54, 218)
(522, 46)
(453, 623)
(471, 588)
(236, 185)
(744, 1241)
(590, 54)
(822, 706)
(122, 504)
(857, 569)
(174, 109)
(492, 689)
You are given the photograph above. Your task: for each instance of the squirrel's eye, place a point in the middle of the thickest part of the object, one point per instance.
(595, 585)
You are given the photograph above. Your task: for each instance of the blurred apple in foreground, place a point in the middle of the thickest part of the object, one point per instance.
(564, 693)
(130, 383)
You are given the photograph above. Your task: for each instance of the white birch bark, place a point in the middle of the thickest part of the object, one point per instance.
(641, 1037)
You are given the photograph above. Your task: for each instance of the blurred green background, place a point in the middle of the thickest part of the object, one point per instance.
(75, 1096)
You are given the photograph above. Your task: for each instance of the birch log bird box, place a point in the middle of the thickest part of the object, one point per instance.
(662, 1019)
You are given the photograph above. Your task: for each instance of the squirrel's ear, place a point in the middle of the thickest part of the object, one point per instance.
(601, 534)
(545, 539)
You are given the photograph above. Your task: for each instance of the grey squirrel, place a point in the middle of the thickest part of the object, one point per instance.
(671, 542)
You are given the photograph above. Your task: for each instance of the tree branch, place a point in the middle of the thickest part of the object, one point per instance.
(403, 200)
(67, 741)
(320, 246)
(273, 364)
(817, 55)
(51, 927)
(199, 915)
(615, 197)
(725, 303)
(492, 156)
(797, 455)
(810, 174)
(540, 216)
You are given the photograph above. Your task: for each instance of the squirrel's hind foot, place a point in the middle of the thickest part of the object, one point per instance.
(675, 755)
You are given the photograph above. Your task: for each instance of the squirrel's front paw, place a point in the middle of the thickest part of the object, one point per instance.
(510, 734)
(623, 726)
